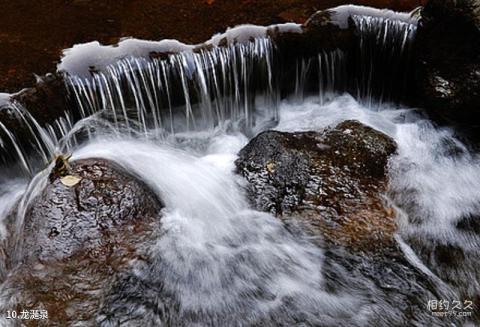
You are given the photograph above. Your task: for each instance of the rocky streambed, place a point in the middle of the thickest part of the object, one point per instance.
(206, 188)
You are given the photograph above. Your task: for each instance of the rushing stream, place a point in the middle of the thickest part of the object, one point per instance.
(221, 262)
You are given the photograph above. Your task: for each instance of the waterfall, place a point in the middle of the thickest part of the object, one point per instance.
(40, 143)
(376, 68)
(330, 68)
(194, 90)
(185, 91)
(205, 87)
(382, 61)
(177, 120)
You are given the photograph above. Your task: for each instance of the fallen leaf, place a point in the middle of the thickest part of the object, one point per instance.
(70, 180)
(270, 167)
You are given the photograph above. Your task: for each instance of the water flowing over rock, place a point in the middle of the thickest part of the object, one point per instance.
(47, 100)
(448, 62)
(333, 183)
(364, 51)
(199, 86)
(355, 49)
(334, 180)
(31, 119)
(33, 33)
(76, 239)
(174, 87)
(354, 211)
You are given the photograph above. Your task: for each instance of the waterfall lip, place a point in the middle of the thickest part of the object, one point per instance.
(81, 58)
(340, 15)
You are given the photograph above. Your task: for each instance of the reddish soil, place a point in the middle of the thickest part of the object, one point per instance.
(33, 33)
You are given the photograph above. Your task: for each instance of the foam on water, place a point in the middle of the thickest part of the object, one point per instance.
(216, 255)
(219, 259)
(431, 168)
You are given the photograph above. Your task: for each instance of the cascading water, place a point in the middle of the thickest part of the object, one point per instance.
(47, 141)
(212, 86)
(178, 121)
(383, 58)
(197, 89)
(187, 91)
(377, 66)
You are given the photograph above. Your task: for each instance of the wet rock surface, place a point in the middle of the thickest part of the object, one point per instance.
(333, 180)
(448, 61)
(331, 183)
(319, 33)
(65, 219)
(78, 239)
(455, 264)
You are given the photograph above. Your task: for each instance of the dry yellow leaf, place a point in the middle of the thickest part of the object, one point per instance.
(270, 167)
(70, 180)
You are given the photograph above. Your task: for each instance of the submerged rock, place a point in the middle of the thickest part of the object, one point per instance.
(332, 180)
(77, 239)
(448, 60)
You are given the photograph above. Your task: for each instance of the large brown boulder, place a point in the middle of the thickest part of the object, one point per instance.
(77, 239)
(332, 180)
(331, 185)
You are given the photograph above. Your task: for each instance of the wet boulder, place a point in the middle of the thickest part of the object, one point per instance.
(331, 185)
(332, 180)
(84, 216)
(448, 61)
(91, 222)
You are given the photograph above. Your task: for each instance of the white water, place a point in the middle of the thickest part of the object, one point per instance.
(220, 262)
(10, 193)
(445, 185)
(197, 90)
(216, 254)
(222, 259)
